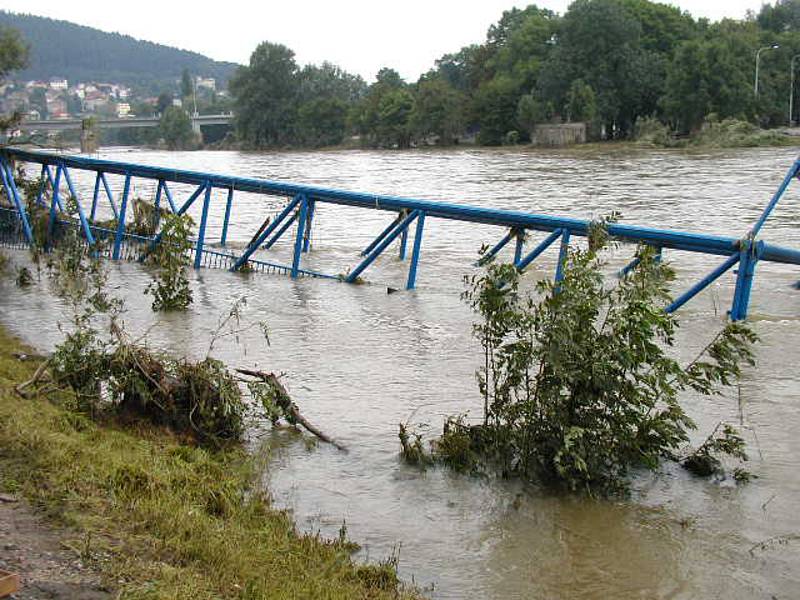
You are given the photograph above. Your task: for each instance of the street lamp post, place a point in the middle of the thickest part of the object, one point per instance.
(758, 58)
(791, 92)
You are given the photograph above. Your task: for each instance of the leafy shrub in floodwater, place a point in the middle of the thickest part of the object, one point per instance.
(170, 286)
(578, 387)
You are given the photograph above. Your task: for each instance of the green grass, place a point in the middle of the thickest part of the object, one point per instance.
(162, 519)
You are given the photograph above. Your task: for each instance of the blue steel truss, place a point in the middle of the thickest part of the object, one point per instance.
(300, 211)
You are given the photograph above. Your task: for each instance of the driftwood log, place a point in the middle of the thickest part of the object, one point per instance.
(284, 402)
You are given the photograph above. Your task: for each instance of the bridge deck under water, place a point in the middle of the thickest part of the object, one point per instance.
(300, 210)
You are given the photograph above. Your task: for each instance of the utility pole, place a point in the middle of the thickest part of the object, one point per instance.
(791, 92)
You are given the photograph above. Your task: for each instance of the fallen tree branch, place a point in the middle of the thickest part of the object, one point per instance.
(284, 402)
(37, 376)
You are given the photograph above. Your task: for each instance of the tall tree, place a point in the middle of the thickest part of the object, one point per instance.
(13, 56)
(186, 83)
(13, 51)
(782, 16)
(600, 42)
(265, 95)
(438, 110)
(164, 102)
(176, 128)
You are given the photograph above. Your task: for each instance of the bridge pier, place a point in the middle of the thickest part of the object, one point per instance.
(89, 138)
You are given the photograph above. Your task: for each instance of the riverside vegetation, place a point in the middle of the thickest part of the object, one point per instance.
(608, 63)
(578, 385)
(142, 455)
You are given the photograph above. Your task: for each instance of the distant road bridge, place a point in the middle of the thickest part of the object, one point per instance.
(198, 121)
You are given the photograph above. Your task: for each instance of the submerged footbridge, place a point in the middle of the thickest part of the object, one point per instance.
(297, 216)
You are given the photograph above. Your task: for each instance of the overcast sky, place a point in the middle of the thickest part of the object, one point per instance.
(361, 36)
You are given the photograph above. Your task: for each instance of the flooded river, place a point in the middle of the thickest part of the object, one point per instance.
(359, 361)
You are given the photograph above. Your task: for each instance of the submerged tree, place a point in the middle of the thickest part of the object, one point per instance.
(578, 385)
(170, 286)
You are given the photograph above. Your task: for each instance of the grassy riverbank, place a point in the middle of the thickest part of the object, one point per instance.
(159, 518)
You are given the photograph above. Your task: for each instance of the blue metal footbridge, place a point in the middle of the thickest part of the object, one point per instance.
(299, 213)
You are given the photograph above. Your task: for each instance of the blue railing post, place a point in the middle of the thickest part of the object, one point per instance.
(52, 181)
(256, 244)
(312, 209)
(43, 181)
(55, 202)
(87, 231)
(121, 218)
(403, 241)
(497, 247)
(278, 234)
(520, 239)
(382, 235)
(562, 256)
(157, 207)
(702, 284)
(377, 250)
(13, 194)
(412, 269)
(109, 195)
(298, 242)
(168, 194)
(793, 171)
(201, 234)
(748, 257)
(95, 194)
(534, 254)
(229, 203)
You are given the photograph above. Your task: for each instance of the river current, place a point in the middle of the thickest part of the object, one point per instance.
(358, 361)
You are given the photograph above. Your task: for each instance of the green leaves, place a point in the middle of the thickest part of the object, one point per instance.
(170, 286)
(577, 383)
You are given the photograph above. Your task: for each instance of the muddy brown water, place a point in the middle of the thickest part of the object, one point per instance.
(359, 361)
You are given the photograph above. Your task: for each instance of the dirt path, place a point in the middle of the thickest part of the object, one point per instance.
(48, 570)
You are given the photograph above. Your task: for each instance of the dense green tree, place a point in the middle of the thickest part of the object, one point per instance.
(715, 75)
(371, 116)
(530, 111)
(600, 42)
(782, 16)
(465, 69)
(322, 122)
(581, 102)
(330, 81)
(187, 86)
(266, 93)
(663, 26)
(688, 98)
(495, 108)
(394, 118)
(438, 110)
(521, 43)
(176, 128)
(13, 51)
(13, 56)
(164, 102)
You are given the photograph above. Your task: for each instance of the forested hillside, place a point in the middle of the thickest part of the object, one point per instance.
(78, 53)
